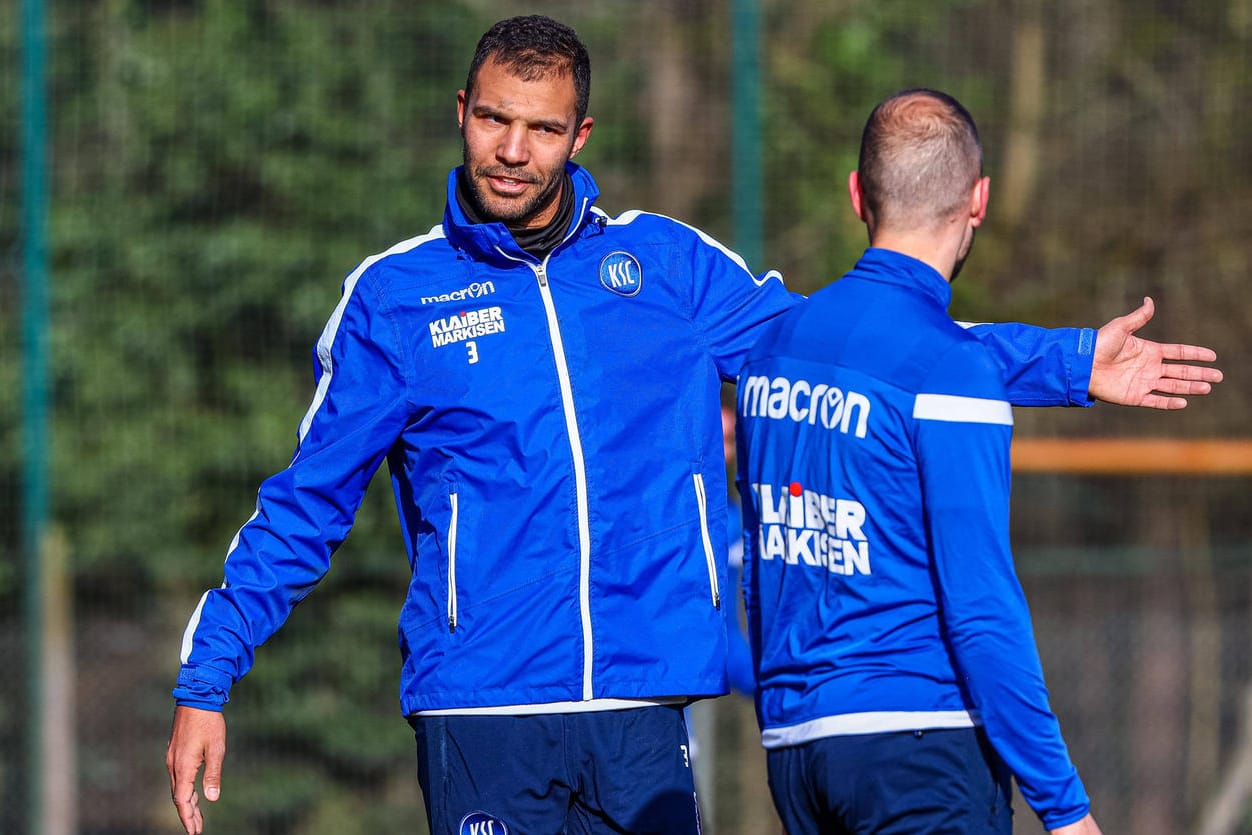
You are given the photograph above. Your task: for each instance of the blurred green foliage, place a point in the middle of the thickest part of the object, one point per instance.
(220, 165)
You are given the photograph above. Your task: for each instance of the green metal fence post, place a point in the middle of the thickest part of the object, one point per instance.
(34, 376)
(746, 131)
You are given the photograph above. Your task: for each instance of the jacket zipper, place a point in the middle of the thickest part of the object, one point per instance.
(576, 451)
(452, 525)
(580, 475)
(709, 559)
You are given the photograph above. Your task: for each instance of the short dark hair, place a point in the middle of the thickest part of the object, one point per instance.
(533, 47)
(920, 155)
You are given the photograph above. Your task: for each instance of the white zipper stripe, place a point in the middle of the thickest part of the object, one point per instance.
(580, 475)
(452, 526)
(580, 480)
(709, 559)
(576, 451)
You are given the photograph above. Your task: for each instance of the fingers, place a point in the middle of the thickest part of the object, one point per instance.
(1189, 353)
(1167, 385)
(187, 802)
(183, 790)
(1160, 401)
(198, 738)
(1193, 372)
(1169, 393)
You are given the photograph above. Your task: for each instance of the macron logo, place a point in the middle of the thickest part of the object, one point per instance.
(804, 402)
(475, 291)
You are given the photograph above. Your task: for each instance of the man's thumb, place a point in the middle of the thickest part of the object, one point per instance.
(1141, 315)
(213, 780)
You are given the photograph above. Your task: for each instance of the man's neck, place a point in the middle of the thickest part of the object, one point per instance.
(937, 251)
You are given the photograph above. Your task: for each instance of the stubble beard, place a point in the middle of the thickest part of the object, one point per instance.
(514, 213)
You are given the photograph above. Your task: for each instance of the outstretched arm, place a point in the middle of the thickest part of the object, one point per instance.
(1131, 371)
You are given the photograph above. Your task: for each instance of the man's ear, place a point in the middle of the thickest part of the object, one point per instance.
(460, 109)
(854, 193)
(581, 136)
(978, 201)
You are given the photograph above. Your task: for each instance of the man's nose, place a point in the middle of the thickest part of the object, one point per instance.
(513, 149)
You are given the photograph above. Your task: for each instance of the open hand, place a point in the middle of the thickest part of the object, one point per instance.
(1131, 371)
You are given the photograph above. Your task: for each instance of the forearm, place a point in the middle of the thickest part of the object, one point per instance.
(1042, 367)
(275, 559)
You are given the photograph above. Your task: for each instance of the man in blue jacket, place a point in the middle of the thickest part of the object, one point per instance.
(899, 684)
(543, 381)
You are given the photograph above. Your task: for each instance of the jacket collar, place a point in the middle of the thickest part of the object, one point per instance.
(891, 267)
(492, 241)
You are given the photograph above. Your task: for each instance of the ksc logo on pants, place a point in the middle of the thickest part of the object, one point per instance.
(481, 823)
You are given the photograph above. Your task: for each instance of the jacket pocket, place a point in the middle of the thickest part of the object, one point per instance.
(709, 558)
(452, 525)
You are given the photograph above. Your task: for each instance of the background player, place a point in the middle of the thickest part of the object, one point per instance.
(898, 681)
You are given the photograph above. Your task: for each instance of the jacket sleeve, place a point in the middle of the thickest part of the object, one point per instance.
(304, 512)
(730, 304)
(1041, 366)
(962, 431)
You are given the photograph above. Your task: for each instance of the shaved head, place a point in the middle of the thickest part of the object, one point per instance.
(920, 156)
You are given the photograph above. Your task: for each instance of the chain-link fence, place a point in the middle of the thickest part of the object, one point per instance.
(217, 166)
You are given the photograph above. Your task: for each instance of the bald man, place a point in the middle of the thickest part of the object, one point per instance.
(899, 687)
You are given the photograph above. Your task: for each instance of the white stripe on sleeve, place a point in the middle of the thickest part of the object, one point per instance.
(327, 339)
(956, 409)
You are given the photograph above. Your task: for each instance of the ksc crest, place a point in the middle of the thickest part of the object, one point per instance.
(620, 272)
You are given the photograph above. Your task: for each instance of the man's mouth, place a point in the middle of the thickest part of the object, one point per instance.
(505, 184)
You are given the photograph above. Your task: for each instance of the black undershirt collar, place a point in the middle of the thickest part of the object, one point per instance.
(538, 241)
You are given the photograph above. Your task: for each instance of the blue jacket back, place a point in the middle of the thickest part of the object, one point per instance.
(874, 439)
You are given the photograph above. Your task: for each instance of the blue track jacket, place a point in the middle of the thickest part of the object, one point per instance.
(881, 593)
(553, 436)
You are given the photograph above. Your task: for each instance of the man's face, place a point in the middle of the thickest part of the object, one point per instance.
(518, 136)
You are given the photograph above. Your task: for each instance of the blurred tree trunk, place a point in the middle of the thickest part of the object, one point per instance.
(1028, 105)
(686, 130)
